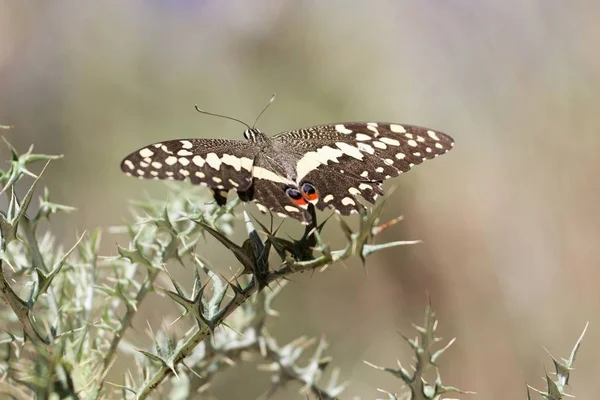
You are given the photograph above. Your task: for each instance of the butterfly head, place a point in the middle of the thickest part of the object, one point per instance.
(254, 135)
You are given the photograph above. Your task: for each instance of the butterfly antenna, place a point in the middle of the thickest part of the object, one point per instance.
(221, 116)
(264, 109)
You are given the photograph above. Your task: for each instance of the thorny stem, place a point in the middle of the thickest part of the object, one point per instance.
(20, 308)
(355, 246)
(127, 318)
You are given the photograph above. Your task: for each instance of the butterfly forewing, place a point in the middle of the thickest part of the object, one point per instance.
(219, 164)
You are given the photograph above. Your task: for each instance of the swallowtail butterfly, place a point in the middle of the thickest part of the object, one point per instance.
(326, 165)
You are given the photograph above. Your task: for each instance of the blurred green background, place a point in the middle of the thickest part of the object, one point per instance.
(509, 218)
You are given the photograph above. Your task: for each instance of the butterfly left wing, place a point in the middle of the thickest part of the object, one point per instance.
(220, 164)
(345, 160)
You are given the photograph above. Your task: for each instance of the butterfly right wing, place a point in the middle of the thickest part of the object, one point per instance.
(220, 164)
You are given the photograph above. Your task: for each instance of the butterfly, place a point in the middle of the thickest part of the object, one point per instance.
(328, 166)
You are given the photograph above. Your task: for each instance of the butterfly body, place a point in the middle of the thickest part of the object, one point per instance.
(326, 165)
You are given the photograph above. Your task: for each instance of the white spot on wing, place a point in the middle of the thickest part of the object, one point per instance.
(373, 129)
(199, 161)
(246, 163)
(365, 186)
(262, 208)
(348, 201)
(217, 179)
(184, 161)
(327, 153)
(232, 161)
(412, 143)
(328, 198)
(213, 160)
(146, 153)
(379, 145)
(186, 144)
(354, 191)
(233, 183)
(171, 160)
(184, 153)
(157, 165)
(184, 172)
(313, 159)
(400, 156)
(364, 174)
(379, 169)
(433, 135)
(129, 164)
(200, 174)
(397, 128)
(350, 150)
(362, 137)
(366, 148)
(291, 209)
(342, 129)
(390, 141)
(306, 164)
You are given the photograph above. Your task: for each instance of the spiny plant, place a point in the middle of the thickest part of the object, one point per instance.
(556, 388)
(68, 312)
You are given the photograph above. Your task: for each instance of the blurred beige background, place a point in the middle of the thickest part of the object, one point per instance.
(510, 218)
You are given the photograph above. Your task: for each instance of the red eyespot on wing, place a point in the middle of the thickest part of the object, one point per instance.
(309, 192)
(312, 197)
(296, 197)
(301, 202)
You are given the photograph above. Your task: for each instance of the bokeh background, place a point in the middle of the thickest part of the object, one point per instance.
(509, 218)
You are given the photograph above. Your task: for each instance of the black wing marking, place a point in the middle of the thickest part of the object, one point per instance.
(220, 164)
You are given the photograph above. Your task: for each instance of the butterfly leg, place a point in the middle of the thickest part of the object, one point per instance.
(220, 196)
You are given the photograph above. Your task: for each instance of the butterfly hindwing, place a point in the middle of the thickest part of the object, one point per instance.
(340, 191)
(271, 196)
